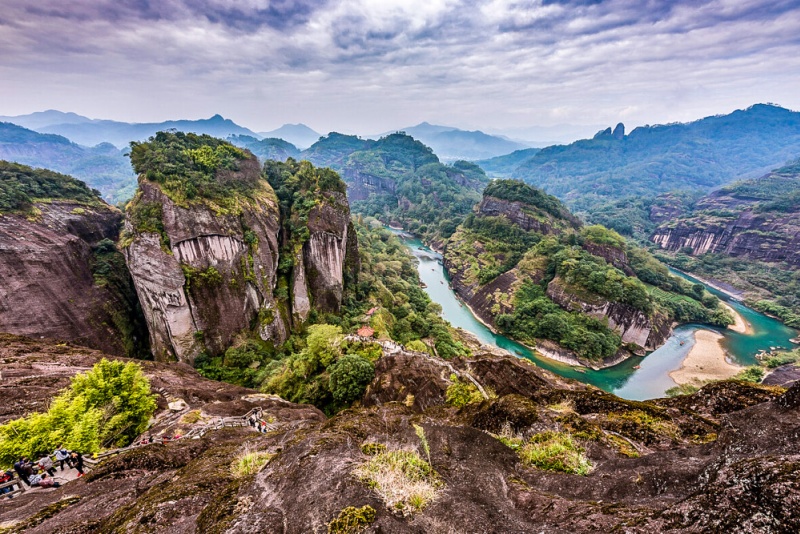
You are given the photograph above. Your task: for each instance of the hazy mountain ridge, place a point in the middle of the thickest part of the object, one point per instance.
(102, 167)
(452, 144)
(649, 160)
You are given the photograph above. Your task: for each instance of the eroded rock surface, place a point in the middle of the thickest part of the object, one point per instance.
(51, 286)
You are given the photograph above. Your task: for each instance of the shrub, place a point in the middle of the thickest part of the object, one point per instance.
(683, 389)
(460, 394)
(352, 520)
(751, 374)
(402, 478)
(250, 462)
(108, 405)
(555, 451)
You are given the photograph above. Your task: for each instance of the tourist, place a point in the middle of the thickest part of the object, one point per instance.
(62, 456)
(46, 464)
(48, 482)
(8, 476)
(24, 470)
(77, 462)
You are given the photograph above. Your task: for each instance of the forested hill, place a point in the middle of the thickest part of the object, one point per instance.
(581, 294)
(401, 181)
(655, 159)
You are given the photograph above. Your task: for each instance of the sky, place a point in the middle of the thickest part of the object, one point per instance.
(369, 66)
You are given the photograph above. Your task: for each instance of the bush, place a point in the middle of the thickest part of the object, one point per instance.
(349, 377)
(250, 462)
(683, 389)
(108, 405)
(751, 374)
(460, 394)
(555, 451)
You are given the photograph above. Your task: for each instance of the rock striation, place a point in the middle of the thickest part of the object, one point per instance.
(758, 219)
(213, 279)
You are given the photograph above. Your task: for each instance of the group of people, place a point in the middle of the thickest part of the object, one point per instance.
(41, 472)
(256, 422)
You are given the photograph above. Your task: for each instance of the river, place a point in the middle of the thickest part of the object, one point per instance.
(652, 377)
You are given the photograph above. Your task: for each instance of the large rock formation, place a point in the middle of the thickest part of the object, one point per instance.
(214, 275)
(235, 261)
(62, 277)
(758, 219)
(324, 253)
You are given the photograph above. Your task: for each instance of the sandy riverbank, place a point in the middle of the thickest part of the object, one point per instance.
(706, 361)
(740, 325)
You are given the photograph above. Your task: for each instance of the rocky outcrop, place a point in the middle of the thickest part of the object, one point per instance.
(213, 279)
(740, 221)
(57, 282)
(326, 249)
(722, 460)
(519, 213)
(633, 325)
(362, 184)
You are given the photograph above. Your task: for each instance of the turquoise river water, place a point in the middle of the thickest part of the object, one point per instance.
(652, 377)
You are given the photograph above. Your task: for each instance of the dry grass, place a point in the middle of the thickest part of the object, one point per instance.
(403, 479)
(250, 462)
(567, 406)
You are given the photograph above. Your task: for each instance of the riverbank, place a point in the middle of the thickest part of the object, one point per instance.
(706, 361)
(731, 291)
(740, 325)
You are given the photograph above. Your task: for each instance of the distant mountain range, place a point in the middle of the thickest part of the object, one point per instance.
(700, 156)
(452, 144)
(103, 167)
(299, 135)
(90, 132)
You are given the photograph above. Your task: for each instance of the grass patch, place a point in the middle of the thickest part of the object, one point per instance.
(352, 520)
(191, 417)
(567, 406)
(402, 478)
(636, 421)
(250, 462)
(555, 451)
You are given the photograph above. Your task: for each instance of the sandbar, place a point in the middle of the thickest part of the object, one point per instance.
(740, 325)
(706, 361)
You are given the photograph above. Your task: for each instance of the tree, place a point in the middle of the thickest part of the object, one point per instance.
(349, 377)
(323, 343)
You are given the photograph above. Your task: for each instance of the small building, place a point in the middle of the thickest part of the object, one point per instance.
(366, 331)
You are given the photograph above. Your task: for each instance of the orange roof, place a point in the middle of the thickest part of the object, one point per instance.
(366, 331)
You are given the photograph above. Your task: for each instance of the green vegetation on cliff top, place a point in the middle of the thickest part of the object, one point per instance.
(22, 186)
(191, 167)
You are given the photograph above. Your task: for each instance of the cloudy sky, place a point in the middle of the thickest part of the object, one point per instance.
(367, 66)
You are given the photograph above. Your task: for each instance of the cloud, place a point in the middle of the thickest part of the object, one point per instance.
(373, 65)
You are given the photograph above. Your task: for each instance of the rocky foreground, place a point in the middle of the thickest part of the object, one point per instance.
(722, 460)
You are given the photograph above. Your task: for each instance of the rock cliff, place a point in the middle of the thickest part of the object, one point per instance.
(757, 219)
(213, 279)
(527, 267)
(62, 277)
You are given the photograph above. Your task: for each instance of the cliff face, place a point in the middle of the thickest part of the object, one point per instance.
(61, 280)
(518, 213)
(759, 220)
(649, 332)
(324, 252)
(215, 278)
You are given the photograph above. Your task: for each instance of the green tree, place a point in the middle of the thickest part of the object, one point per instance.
(349, 377)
